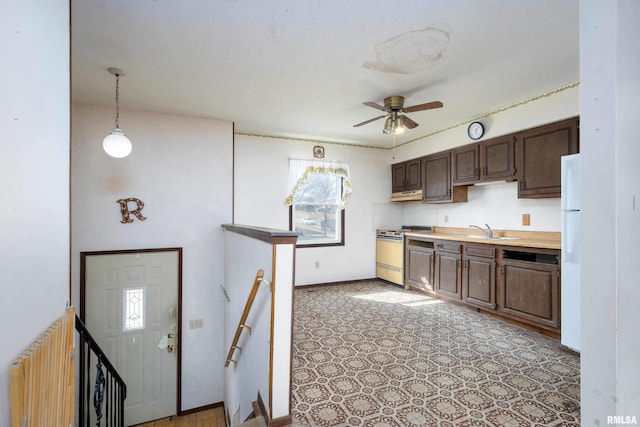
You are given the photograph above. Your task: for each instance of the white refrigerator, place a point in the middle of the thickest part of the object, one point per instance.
(571, 238)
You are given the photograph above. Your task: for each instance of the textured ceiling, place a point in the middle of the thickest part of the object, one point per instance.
(303, 68)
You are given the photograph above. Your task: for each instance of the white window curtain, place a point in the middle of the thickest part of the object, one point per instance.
(300, 170)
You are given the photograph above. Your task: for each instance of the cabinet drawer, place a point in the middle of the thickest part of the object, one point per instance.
(448, 247)
(484, 251)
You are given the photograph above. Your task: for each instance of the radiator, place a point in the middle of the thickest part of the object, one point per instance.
(42, 378)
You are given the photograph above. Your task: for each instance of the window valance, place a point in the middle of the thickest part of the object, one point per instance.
(301, 170)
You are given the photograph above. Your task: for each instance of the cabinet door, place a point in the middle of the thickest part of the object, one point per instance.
(529, 291)
(465, 165)
(419, 267)
(539, 151)
(436, 181)
(479, 281)
(413, 178)
(448, 277)
(497, 159)
(398, 177)
(437, 178)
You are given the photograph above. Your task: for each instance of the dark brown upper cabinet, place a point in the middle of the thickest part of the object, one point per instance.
(538, 152)
(497, 159)
(436, 180)
(406, 176)
(489, 160)
(466, 164)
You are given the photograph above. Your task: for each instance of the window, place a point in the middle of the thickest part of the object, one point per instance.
(133, 309)
(318, 192)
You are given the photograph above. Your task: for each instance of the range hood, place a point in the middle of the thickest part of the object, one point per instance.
(406, 196)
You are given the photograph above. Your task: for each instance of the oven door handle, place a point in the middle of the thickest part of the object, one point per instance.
(382, 239)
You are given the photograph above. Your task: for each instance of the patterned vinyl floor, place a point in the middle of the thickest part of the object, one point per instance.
(372, 354)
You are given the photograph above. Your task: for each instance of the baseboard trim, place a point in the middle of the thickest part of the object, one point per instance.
(282, 421)
(200, 409)
(343, 282)
(260, 410)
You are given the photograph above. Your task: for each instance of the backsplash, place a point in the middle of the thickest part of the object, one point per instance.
(496, 204)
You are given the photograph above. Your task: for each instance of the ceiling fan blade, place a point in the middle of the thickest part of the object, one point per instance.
(369, 121)
(421, 107)
(374, 105)
(408, 123)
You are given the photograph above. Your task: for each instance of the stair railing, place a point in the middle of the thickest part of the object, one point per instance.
(106, 394)
(245, 313)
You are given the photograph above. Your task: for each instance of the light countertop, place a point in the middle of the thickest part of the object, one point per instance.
(522, 239)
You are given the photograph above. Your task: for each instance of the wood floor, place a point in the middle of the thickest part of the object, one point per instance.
(209, 418)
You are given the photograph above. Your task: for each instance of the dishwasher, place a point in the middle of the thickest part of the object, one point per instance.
(390, 256)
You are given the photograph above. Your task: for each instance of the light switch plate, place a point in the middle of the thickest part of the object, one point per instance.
(526, 219)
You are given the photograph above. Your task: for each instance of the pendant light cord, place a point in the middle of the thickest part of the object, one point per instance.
(117, 100)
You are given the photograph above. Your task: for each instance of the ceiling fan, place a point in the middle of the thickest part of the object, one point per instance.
(393, 105)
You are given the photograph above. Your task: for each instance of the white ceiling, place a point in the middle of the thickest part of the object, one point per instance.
(303, 68)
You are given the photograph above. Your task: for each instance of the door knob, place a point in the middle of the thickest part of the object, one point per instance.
(170, 348)
(170, 335)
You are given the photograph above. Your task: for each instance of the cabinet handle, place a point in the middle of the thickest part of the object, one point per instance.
(502, 270)
(466, 263)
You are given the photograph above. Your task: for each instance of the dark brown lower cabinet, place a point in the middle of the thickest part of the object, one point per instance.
(419, 256)
(511, 282)
(448, 269)
(530, 288)
(479, 276)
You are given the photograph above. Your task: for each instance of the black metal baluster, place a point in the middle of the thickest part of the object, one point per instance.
(88, 388)
(81, 378)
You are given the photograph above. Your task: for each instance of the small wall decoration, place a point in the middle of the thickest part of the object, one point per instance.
(125, 211)
(318, 152)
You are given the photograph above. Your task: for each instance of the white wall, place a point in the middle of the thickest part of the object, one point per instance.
(34, 121)
(261, 172)
(180, 168)
(497, 204)
(610, 374)
(244, 256)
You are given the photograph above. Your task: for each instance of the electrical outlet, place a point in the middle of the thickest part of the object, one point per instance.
(446, 219)
(526, 219)
(317, 264)
(196, 324)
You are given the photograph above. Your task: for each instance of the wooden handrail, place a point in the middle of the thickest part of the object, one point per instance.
(245, 314)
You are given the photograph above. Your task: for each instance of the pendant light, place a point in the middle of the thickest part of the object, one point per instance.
(116, 144)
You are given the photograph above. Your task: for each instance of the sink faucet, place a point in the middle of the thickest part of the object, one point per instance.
(488, 231)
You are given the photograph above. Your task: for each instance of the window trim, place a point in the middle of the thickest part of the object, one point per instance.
(319, 245)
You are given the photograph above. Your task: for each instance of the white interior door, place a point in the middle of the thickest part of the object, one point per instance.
(131, 309)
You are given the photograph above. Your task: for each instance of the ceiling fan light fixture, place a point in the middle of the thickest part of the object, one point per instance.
(388, 126)
(116, 144)
(398, 126)
(396, 123)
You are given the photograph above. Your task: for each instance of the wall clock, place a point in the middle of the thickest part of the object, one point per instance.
(475, 130)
